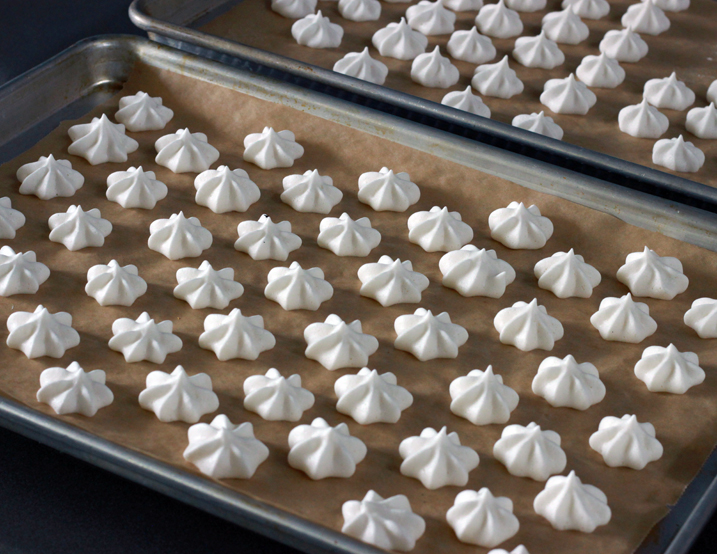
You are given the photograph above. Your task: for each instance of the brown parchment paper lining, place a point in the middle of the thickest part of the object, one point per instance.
(689, 47)
(685, 424)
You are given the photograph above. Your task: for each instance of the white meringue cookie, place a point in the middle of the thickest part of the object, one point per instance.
(206, 287)
(438, 230)
(101, 141)
(528, 326)
(398, 40)
(429, 336)
(360, 10)
(434, 70)
(470, 46)
(322, 451)
(565, 26)
(570, 505)
(498, 21)
(478, 517)
(567, 96)
(567, 384)
(642, 121)
(437, 459)
(624, 442)
(466, 101)
(538, 51)
(669, 93)
(702, 317)
(538, 123)
(526, 5)
(678, 154)
(10, 219)
(178, 396)
(348, 237)
(362, 66)
(518, 227)
(482, 398)
(702, 122)
(474, 272)
(142, 339)
(387, 523)
(223, 450)
(293, 9)
(78, 229)
(236, 336)
(624, 45)
(520, 549)
(276, 398)
(266, 240)
(623, 319)
(179, 237)
(371, 398)
(463, 5)
(497, 79)
(311, 192)
(669, 370)
(431, 18)
(74, 391)
(530, 451)
(648, 274)
(135, 188)
(336, 344)
(588, 9)
(712, 92)
(295, 288)
(387, 191)
(600, 71)
(672, 5)
(41, 333)
(317, 31)
(645, 17)
(270, 149)
(184, 151)
(20, 273)
(48, 178)
(567, 275)
(223, 190)
(115, 285)
(141, 112)
(390, 281)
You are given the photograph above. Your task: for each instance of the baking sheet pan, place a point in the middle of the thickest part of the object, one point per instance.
(118, 55)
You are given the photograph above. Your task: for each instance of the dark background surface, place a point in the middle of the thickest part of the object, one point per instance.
(50, 502)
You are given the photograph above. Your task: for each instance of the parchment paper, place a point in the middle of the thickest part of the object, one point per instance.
(689, 47)
(685, 424)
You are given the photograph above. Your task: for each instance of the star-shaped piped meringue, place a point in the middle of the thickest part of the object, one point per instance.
(478, 517)
(482, 398)
(266, 240)
(530, 452)
(567, 275)
(41, 333)
(223, 190)
(666, 369)
(178, 396)
(270, 149)
(528, 326)
(184, 151)
(20, 273)
(277, 398)
(429, 336)
(10, 219)
(135, 188)
(623, 319)
(336, 344)
(474, 272)
(371, 398)
(311, 192)
(206, 287)
(143, 339)
(347, 237)
(142, 112)
(388, 191)
(101, 141)
(295, 288)
(236, 336)
(48, 178)
(114, 285)
(438, 230)
(74, 391)
(625, 442)
(179, 237)
(566, 383)
(520, 227)
(647, 273)
(78, 229)
(702, 317)
(392, 281)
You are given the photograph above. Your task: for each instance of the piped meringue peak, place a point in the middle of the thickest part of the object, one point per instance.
(434, 70)
(141, 112)
(567, 384)
(223, 450)
(567, 275)
(113, 284)
(135, 188)
(348, 237)
(184, 151)
(702, 317)
(565, 26)
(463, 5)
(276, 398)
(497, 79)
(398, 40)
(437, 459)
(236, 336)
(538, 51)
(225, 190)
(206, 287)
(295, 288)
(669, 93)
(470, 46)
(78, 229)
(466, 101)
(567, 96)
(530, 451)
(478, 517)
(369, 397)
(712, 92)
(570, 505)
(625, 442)
(317, 31)
(476, 272)
(642, 121)
(322, 451)
(624, 45)
(142, 339)
(336, 344)
(179, 237)
(48, 178)
(648, 274)
(270, 149)
(362, 66)
(431, 18)
(266, 240)
(20, 272)
(538, 123)
(178, 396)
(499, 21)
(311, 192)
(645, 17)
(388, 191)
(678, 154)
(669, 370)
(293, 9)
(623, 319)
(588, 9)
(482, 398)
(387, 523)
(702, 122)
(520, 227)
(429, 336)
(528, 326)
(41, 333)
(600, 71)
(438, 230)
(526, 5)
(10, 219)
(101, 141)
(360, 10)
(390, 281)
(74, 391)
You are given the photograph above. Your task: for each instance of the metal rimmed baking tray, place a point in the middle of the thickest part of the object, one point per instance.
(178, 26)
(71, 84)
